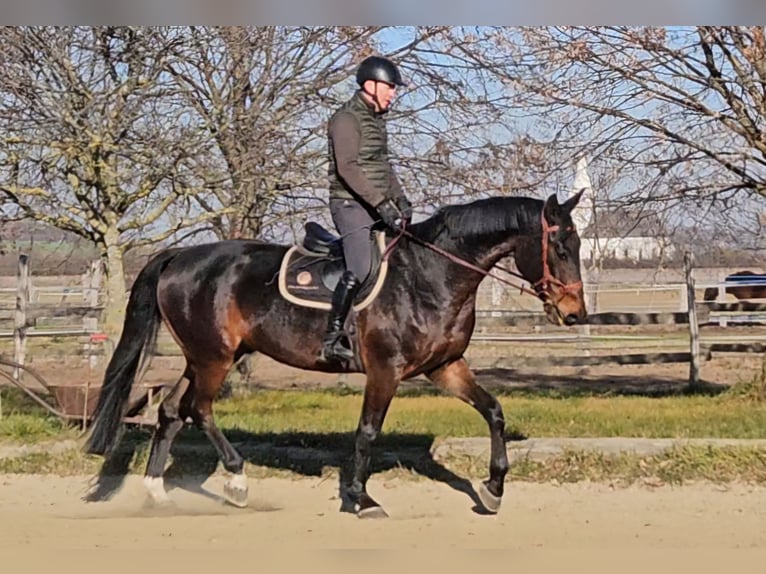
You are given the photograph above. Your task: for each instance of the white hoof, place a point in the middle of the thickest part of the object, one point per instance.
(155, 486)
(373, 512)
(235, 490)
(489, 500)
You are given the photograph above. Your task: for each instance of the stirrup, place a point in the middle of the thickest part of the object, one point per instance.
(333, 348)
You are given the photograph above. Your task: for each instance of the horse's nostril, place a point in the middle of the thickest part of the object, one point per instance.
(570, 319)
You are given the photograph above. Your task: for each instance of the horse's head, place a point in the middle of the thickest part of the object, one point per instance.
(550, 261)
(710, 294)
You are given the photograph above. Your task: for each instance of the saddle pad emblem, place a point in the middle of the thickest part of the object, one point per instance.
(303, 278)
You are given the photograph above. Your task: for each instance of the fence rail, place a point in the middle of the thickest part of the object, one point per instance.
(26, 313)
(35, 311)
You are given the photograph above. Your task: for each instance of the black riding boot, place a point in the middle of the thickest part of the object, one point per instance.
(333, 347)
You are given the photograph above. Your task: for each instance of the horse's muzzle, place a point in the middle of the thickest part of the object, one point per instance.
(571, 319)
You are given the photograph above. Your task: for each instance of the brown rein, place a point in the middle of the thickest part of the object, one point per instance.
(544, 283)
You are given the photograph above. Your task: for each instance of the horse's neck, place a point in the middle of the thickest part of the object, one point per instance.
(456, 271)
(482, 254)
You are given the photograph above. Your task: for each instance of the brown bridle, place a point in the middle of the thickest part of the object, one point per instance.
(548, 279)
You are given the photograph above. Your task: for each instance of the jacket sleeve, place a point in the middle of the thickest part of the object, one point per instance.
(396, 187)
(346, 138)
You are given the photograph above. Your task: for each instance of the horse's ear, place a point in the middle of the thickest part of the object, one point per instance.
(572, 202)
(552, 208)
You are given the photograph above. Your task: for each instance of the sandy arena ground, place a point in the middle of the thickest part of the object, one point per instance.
(46, 512)
(295, 526)
(46, 526)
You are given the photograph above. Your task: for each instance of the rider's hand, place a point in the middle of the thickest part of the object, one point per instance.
(405, 207)
(390, 214)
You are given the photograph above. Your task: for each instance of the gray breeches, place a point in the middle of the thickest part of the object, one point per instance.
(354, 223)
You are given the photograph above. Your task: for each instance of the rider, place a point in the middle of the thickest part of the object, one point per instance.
(363, 187)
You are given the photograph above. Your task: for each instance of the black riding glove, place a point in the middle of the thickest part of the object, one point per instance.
(390, 214)
(405, 207)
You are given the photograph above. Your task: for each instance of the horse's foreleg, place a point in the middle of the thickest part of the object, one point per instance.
(378, 392)
(171, 414)
(208, 383)
(458, 379)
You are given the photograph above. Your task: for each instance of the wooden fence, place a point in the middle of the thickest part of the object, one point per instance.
(79, 308)
(73, 311)
(689, 314)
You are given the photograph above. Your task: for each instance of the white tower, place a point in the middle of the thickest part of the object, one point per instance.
(585, 210)
(582, 216)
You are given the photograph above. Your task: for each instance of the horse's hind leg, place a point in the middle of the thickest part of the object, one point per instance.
(458, 379)
(207, 385)
(172, 411)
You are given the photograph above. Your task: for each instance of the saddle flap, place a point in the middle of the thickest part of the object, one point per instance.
(308, 278)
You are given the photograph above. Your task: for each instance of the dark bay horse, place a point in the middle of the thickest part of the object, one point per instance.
(220, 301)
(755, 290)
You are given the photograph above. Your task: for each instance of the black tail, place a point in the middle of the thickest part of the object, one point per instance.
(138, 339)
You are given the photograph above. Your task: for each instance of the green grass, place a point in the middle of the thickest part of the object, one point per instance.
(24, 421)
(676, 466)
(265, 421)
(730, 415)
(739, 413)
(24, 428)
(67, 463)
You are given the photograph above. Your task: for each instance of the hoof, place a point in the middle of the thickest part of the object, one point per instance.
(490, 501)
(155, 488)
(368, 508)
(235, 491)
(372, 512)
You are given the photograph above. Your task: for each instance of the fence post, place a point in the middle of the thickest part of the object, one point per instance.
(721, 297)
(91, 288)
(20, 319)
(683, 297)
(591, 305)
(694, 340)
(497, 294)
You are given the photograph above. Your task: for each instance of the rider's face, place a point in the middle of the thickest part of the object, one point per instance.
(384, 93)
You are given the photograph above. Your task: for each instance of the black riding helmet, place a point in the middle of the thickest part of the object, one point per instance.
(378, 69)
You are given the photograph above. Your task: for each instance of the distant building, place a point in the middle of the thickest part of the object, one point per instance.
(621, 233)
(627, 235)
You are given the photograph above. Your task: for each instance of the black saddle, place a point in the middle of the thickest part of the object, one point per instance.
(325, 252)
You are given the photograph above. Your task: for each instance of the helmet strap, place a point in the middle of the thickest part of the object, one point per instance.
(373, 96)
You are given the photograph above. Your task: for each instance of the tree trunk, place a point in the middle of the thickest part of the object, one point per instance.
(116, 293)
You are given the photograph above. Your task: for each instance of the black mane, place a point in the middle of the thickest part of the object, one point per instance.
(483, 217)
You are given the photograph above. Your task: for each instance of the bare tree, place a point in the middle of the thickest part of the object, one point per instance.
(679, 113)
(94, 140)
(127, 137)
(264, 96)
(257, 92)
(131, 136)
(459, 132)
